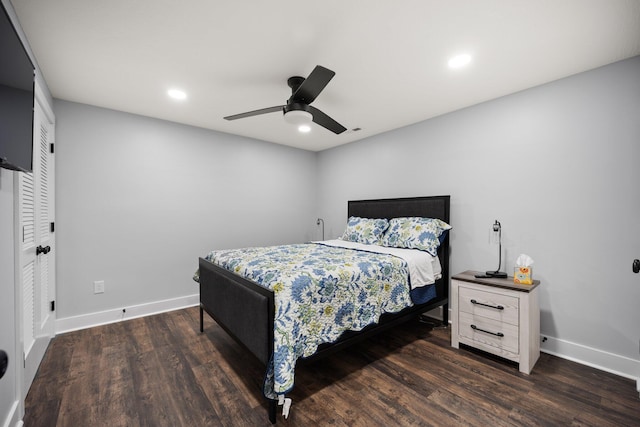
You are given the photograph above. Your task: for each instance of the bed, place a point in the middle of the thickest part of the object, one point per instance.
(224, 294)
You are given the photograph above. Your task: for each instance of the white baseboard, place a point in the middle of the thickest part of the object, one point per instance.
(605, 361)
(90, 320)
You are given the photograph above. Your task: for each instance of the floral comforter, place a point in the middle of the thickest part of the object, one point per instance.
(320, 292)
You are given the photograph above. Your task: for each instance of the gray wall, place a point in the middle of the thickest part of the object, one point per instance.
(138, 200)
(556, 164)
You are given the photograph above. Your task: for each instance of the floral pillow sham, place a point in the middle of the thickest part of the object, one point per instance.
(367, 231)
(424, 234)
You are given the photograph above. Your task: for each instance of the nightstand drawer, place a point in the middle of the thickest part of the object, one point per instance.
(488, 332)
(499, 307)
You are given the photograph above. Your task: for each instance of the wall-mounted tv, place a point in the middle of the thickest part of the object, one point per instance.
(16, 99)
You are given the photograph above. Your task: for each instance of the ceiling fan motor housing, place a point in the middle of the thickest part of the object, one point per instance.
(294, 83)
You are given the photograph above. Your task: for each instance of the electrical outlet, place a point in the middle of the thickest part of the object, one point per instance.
(98, 287)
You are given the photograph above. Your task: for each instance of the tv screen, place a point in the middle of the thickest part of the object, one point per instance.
(16, 99)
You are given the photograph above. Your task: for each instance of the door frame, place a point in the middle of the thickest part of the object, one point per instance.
(47, 116)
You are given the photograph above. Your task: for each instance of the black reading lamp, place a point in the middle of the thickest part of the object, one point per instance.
(497, 228)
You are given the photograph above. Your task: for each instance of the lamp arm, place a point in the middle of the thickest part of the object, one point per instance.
(499, 249)
(318, 221)
(497, 227)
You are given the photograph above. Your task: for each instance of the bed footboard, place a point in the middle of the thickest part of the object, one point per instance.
(243, 309)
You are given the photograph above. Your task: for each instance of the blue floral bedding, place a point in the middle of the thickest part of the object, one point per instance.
(320, 292)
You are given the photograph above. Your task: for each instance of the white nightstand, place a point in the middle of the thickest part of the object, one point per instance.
(497, 316)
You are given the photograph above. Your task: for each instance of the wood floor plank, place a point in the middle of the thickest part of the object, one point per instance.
(226, 399)
(116, 387)
(138, 335)
(153, 397)
(83, 379)
(161, 371)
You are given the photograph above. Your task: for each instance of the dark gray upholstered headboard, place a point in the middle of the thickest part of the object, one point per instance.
(428, 207)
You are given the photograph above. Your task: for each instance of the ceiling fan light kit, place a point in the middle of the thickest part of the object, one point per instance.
(298, 117)
(297, 110)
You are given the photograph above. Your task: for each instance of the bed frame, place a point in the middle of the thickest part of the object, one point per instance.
(224, 294)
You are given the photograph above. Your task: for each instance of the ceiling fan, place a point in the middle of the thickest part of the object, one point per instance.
(297, 109)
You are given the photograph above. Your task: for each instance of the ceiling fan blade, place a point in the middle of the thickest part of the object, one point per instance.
(312, 85)
(325, 121)
(255, 112)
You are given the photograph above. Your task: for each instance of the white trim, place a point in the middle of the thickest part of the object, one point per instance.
(605, 361)
(41, 99)
(90, 320)
(12, 419)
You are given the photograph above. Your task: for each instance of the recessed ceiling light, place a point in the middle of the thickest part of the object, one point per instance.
(177, 94)
(304, 128)
(459, 61)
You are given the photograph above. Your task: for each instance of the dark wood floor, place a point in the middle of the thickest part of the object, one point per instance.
(161, 371)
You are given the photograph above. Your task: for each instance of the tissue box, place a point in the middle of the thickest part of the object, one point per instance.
(523, 275)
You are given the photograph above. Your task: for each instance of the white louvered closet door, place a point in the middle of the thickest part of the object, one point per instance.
(27, 219)
(36, 253)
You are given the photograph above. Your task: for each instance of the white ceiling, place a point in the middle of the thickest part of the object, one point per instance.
(390, 57)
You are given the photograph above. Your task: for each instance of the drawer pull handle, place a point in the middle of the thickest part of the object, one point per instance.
(497, 307)
(498, 334)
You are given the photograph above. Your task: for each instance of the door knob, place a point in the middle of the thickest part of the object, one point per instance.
(41, 250)
(636, 266)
